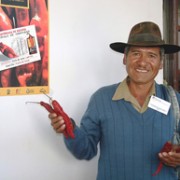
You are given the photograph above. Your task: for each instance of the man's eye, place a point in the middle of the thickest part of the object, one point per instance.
(135, 54)
(152, 56)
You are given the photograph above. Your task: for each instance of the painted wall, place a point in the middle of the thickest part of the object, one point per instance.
(80, 62)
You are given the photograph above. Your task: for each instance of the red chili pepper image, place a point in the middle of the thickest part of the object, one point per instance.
(166, 148)
(5, 21)
(6, 24)
(22, 17)
(55, 107)
(7, 51)
(40, 17)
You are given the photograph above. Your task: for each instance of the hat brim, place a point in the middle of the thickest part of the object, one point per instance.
(168, 48)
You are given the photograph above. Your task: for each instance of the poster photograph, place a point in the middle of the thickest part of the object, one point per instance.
(24, 55)
(18, 46)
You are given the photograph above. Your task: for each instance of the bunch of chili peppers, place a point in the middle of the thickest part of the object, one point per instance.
(55, 107)
(166, 148)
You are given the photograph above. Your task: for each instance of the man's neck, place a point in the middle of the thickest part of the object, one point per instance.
(140, 91)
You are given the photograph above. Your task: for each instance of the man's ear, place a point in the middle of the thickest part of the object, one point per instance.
(124, 60)
(161, 65)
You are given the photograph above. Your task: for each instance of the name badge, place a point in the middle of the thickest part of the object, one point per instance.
(159, 105)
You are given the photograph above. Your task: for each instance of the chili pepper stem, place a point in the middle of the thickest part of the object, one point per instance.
(34, 102)
(47, 96)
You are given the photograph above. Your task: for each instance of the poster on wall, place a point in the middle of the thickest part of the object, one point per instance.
(24, 53)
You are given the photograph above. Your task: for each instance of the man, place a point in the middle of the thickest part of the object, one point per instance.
(130, 120)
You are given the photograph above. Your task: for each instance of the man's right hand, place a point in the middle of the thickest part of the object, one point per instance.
(57, 122)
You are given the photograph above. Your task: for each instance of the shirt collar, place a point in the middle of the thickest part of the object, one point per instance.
(122, 91)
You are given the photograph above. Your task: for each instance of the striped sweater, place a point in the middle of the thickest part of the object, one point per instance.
(129, 141)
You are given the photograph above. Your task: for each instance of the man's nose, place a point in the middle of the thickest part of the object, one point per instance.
(143, 59)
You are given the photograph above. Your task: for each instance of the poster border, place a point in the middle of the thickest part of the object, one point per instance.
(29, 90)
(15, 6)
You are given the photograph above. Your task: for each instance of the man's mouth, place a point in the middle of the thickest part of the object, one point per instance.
(142, 70)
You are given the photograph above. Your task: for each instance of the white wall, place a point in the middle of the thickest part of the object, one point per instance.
(80, 62)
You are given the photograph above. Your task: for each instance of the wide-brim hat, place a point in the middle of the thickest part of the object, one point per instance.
(145, 34)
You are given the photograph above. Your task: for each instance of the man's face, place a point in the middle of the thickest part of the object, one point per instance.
(143, 64)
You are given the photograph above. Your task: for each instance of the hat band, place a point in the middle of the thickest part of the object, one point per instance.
(145, 39)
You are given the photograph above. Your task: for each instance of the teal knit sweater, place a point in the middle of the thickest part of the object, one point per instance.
(129, 141)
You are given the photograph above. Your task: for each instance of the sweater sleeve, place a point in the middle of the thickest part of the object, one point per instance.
(84, 145)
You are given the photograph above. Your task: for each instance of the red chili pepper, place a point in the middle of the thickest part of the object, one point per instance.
(59, 110)
(47, 107)
(56, 108)
(51, 110)
(166, 148)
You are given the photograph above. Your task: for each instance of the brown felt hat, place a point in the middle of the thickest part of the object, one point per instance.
(145, 34)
